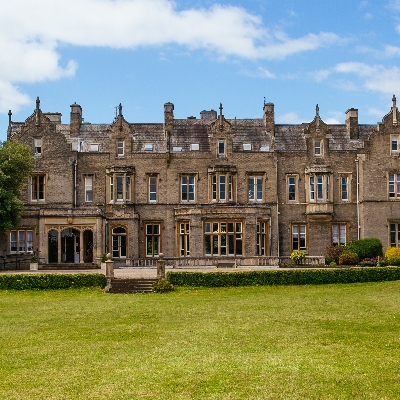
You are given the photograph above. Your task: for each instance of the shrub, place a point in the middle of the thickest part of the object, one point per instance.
(283, 277)
(34, 259)
(333, 253)
(298, 256)
(50, 281)
(365, 248)
(392, 255)
(104, 258)
(373, 262)
(162, 286)
(348, 258)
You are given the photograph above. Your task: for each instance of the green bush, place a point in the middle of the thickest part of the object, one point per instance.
(392, 255)
(283, 277)
(365, 248)
(50, 281)
(348, 258)
(162, 286)
(298, 256)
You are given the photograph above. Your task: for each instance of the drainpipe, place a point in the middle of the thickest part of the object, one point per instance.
(358, 199)
(277, 204)
(75, 164)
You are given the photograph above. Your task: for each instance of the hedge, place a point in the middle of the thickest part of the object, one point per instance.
(284, 277)
(50, 281)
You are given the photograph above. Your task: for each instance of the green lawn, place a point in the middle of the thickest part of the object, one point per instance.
(303, 342)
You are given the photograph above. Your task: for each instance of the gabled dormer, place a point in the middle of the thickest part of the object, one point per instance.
(221, 137)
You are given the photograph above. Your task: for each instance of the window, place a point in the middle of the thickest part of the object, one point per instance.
(88, 188)
(222, 187)
(187, 188)
(152, 187)
(395, 235)
(21, 241)
(184, 250)
(38, 147)
(94, 147)
(148, 147)
(120, 149)
(344, 188)
(153, 236)
(223, 238)
(262, 238)
(246, 146)
(38, 187)
(394, 144)
(221, 147)
(394, 186)
(319, 188)
(119, 242)
(299, 241)
(255, 188)
(195, 147)
(339, 235)
(120, 183)
(317, 148)
(291, 183)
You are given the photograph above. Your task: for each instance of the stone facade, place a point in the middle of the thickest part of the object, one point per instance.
(208, 187)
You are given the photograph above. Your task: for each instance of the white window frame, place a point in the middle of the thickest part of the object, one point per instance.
(120, 187)
(292, 188)
(344, 182)
(88, 189)
(256, 188)
(247, 146)
(194, 146)
(394, 145)
(184, 239)
(394, 186)
(94, 147)
(21, 241)
(221, 147)
(222, 187)
(38, 146)
(119, 242)
(152, 188)
(262, 237)
(121, 148)
(153, 238)
(148, 147)
(339, 234)
(319, 188)
(318, 148)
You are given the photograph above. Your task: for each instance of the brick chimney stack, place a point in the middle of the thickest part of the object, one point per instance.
(76, 119)
(352, 123)
(269, 118)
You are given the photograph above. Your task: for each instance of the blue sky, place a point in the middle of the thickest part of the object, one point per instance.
(196, 54)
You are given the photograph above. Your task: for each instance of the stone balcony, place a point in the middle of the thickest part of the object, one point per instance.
(319, 212)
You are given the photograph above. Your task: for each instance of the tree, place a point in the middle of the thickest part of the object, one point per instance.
(16, 164)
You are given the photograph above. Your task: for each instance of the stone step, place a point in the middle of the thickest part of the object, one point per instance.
(130, 285)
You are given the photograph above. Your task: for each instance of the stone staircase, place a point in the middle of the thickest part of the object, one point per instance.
(130, 285)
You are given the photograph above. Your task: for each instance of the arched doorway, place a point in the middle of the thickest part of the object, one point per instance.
(87, 246)
(70, 246)
(53, 246)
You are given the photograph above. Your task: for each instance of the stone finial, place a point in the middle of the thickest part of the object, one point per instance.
(394, 110)
(317, 110)
(120, 109)
(37, 103)
(220, 109)
(9, 117)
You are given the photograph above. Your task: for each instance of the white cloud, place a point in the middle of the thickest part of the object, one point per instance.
(377, 78)
(377, 112)
(31, 31)
(289, 118)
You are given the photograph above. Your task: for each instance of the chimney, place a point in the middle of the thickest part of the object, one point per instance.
(269, 118)
(168, 116)
(352, 123)
(76, 119)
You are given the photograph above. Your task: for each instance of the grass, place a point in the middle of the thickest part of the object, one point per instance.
(303, 342)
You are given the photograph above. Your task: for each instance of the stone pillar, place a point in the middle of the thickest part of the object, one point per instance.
(109, 267)
(161, 267)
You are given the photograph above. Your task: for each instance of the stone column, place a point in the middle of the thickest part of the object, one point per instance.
(161, 267)
(109, 267)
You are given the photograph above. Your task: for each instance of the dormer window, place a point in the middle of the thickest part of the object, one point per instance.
(120, 149)
(38, 147)
(246, 146)
(194, 147)
(317, 148)
(94, 147)
(148, 147)
(221, 147)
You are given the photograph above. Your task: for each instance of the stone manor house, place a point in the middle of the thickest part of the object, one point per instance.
(206, 188)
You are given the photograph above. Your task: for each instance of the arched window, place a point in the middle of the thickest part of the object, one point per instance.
(119, 242)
